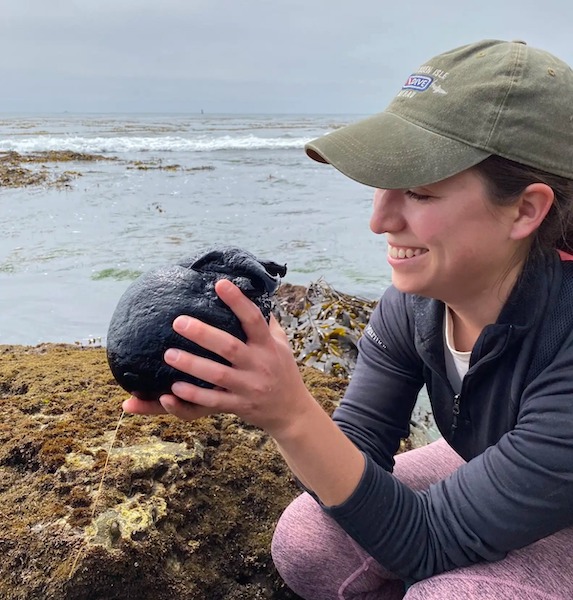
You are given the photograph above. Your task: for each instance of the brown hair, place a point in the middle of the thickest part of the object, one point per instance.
(506, 179)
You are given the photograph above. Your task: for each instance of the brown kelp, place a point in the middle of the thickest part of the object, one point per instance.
(323, 325)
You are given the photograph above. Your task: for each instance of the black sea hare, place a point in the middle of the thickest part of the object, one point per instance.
(141, 327)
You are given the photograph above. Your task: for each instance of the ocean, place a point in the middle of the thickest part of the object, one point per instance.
(178, 184)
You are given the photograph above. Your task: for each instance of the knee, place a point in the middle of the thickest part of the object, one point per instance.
(294, 541)
(466, 586)
(301, 546)
(319, 561)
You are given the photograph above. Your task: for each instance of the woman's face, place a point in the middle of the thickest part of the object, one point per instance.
(446, 240)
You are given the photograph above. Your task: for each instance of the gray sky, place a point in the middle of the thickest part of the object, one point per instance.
(245, 56)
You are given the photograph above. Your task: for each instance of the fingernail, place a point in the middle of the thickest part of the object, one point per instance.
(182, 322)
(172, 354)
(224, 283)
(178, 386)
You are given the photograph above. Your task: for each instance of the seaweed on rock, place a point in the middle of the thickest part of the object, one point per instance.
(186, 511)
(323, 325)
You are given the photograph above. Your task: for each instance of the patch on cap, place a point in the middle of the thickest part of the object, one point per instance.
(420, 83)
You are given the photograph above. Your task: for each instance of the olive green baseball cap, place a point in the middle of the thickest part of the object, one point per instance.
(491, 97)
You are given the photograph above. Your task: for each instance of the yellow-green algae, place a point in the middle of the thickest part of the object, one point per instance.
(186, 510)
(131, 519)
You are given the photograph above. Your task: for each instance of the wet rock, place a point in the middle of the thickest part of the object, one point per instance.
(140, 329)
(14, 175)
(180, 510)
(185, 510)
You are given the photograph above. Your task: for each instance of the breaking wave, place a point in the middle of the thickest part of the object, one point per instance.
(114, 145)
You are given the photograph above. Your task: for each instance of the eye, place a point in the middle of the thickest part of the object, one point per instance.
(417, 197)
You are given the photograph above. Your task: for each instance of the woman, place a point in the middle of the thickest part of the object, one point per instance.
(472, 165)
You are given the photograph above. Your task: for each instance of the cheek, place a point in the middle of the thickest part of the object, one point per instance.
(464, 227)
(428, 227)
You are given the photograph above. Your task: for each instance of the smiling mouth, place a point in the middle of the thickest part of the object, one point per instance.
(402, 253)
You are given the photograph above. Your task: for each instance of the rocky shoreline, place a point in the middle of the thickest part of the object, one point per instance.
(165, 509)
(43, 168)
(186, 510)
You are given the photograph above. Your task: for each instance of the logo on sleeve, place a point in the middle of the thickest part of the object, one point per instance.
(369, 331)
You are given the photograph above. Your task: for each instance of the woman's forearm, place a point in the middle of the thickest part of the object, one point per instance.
(321, 456)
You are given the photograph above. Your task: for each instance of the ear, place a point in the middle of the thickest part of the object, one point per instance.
(532, 207)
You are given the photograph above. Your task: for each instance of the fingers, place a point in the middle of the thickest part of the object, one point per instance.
(211, 338)
(247, 312)
(243, 357)
(227, 380)
(167, 404)
(220, 342)
(276, 330)
(187, 411)
(142, 407)
(214, 372)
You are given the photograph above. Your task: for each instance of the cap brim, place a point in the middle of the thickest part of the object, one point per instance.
(386, 151)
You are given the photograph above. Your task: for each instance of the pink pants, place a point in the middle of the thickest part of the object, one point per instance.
(319, 561)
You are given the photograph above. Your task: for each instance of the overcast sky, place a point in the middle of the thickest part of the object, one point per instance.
(245, 56)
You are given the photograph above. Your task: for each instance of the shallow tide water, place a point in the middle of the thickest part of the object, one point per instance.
(178, 184)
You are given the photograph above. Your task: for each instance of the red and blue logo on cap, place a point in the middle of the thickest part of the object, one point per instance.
(419, 83)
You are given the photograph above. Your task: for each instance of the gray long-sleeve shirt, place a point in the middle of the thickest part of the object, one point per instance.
(514, 427)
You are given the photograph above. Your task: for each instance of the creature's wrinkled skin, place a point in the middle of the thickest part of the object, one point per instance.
(141, 331)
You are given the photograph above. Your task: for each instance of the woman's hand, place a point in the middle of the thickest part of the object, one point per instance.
(262, 385)
(148, 407)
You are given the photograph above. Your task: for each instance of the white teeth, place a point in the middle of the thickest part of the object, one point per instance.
(405, 252)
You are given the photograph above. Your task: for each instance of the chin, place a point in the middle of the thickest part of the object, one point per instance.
(407, 285)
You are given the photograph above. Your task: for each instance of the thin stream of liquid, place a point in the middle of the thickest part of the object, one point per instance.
(98, 493)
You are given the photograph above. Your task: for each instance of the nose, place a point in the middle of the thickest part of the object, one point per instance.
(387, 211)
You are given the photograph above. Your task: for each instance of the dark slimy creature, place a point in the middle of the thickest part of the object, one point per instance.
(140, 329)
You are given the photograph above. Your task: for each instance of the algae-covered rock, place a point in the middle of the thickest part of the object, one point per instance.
(14, 175)
(186, 510)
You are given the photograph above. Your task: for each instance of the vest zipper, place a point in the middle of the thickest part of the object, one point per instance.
(456, 412)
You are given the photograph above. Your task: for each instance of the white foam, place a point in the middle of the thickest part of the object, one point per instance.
(114, 145)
